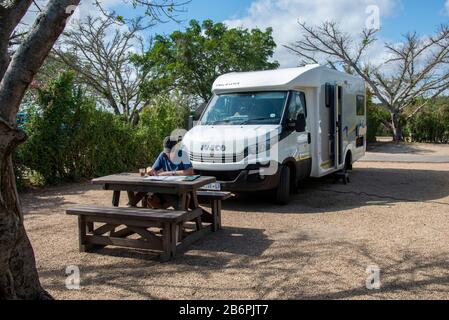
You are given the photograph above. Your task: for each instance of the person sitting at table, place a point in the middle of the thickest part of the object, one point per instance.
(171, 162)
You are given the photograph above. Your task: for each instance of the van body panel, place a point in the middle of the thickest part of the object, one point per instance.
(333, 128)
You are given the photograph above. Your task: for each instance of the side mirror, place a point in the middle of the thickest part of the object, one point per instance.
(301, 123)
(191, 123)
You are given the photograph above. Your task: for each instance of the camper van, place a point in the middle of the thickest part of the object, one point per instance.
(268, 130)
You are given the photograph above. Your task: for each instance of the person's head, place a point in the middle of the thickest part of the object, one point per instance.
(169, 146)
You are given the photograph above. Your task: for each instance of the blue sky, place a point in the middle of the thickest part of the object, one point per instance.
(397, 17)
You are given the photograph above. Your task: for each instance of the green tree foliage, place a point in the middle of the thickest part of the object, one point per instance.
(431, 124)
(54, 130)
(160, 120)
(377, 117)
(70, 139)
(190, 61)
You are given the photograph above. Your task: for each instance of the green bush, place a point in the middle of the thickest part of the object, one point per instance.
(160, 119)
(430, 125)
(70, 139)
(55, 129)
(375, 118)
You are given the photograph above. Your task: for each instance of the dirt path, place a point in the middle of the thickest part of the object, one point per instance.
(394, 216)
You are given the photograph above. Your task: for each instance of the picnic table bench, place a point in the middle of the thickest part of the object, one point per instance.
(135, 221)
(214, 198)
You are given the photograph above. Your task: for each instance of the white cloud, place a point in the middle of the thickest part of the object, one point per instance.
(283, 16)
(446, 8)
(84, 9)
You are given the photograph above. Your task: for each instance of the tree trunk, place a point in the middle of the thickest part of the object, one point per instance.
(18, 274)
(396, 127)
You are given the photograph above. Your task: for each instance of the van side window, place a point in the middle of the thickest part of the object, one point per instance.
(297, 105)
(360, 105)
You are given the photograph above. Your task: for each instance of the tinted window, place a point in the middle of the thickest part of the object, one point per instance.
(296, 105)
(360, 105)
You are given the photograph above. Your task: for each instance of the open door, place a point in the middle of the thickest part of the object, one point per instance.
(339, 125)
(334, 95)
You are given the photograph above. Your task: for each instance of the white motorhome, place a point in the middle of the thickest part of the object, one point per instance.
(267, 130)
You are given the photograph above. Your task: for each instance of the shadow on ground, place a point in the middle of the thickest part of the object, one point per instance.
(41, 200)
(239, 241)
(399, 148)
(282, 264)
(295, 275)
(368, 187)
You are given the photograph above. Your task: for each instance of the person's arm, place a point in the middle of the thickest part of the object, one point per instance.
(184, 169)
(185, 172)
(156, 169)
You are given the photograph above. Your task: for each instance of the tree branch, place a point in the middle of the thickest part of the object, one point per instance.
(10, 16)
(30, 56)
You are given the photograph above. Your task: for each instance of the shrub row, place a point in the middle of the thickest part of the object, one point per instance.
(70, 139)
(430, 125)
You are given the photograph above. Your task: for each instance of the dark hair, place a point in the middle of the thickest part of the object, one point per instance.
(169, 143)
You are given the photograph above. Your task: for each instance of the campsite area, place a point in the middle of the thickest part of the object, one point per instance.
(393, 215)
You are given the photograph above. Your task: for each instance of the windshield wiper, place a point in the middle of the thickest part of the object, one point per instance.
(255, 119)
(218, 122)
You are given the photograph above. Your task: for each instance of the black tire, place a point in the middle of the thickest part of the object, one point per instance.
(283, 189)
(348, 165)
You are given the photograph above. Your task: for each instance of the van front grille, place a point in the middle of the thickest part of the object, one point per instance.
(218, 158)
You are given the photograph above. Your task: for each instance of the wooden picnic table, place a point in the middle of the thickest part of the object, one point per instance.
(185, 193)
(137, 188)
(165, 231)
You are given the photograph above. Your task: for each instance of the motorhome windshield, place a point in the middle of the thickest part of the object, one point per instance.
(245, 108)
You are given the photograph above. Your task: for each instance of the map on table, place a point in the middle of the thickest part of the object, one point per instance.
(171, 178)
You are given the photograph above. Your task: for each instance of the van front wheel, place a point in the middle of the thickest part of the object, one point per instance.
(283, 189)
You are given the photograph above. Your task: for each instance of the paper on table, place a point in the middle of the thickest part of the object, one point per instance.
(167, 178)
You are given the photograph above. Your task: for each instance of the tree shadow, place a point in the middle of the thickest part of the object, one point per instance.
(409, 272)
(399, 148)
(209, 256)
(41, 201)
(296, 265)
(292, 274)
(230, 240)
(369, 186)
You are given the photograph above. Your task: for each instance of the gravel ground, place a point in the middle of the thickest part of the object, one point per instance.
(394, 216)
(407, 152)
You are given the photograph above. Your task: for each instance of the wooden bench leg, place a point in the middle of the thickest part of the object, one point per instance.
(179, 232)
(216, 215)
(219, 225)
(90, 227)
(198, 223)
(173, 239)
(82, 232)
(116, 198)
(145, 201)
(84, 228)
(166, 242)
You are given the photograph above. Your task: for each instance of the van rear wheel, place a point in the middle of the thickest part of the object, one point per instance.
(348, 164)
(283, 189)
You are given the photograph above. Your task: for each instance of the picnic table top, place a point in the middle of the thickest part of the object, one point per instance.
(134, 179)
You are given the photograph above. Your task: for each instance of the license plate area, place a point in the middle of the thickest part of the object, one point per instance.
(216, 186)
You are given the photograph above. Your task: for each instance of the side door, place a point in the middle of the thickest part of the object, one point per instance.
(301, 138)
(334, 103)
